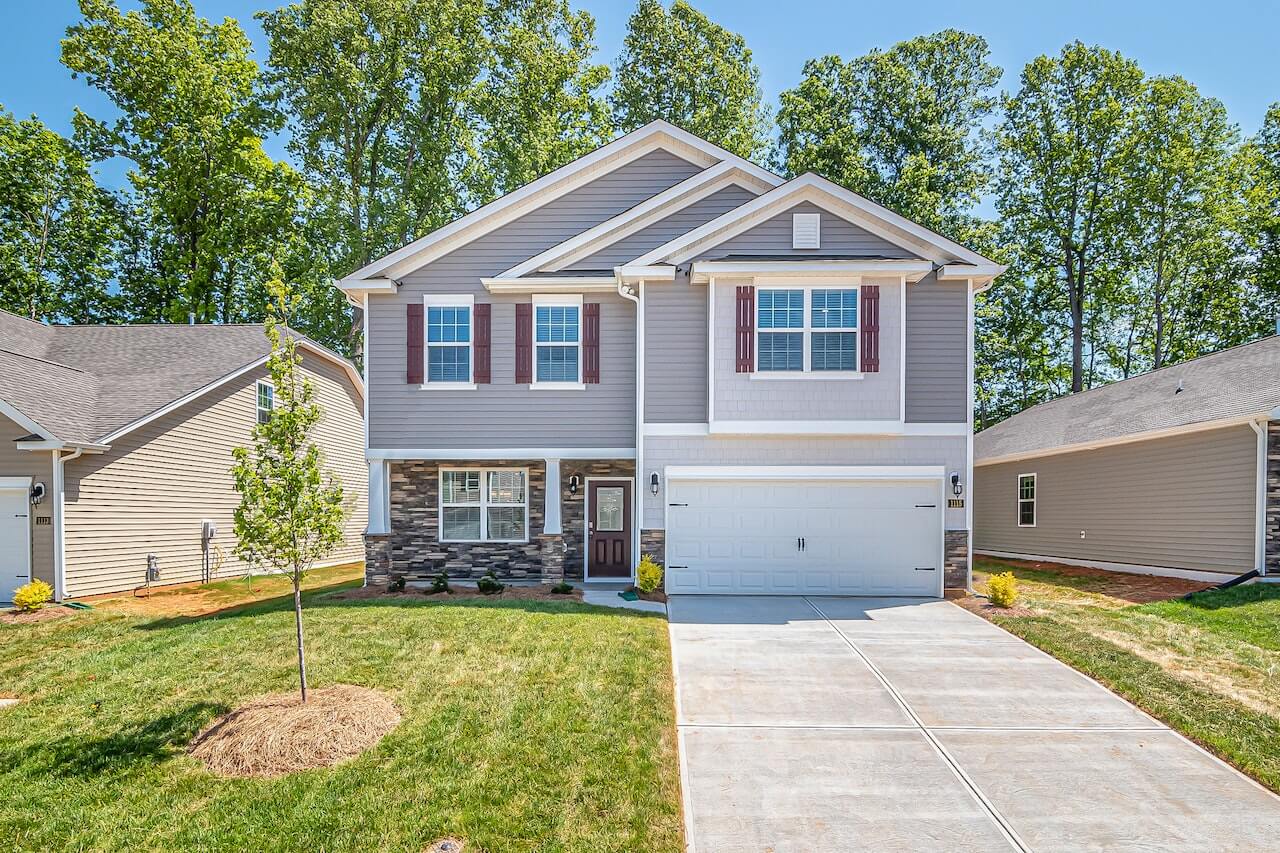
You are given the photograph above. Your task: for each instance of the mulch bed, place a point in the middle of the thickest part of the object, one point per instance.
(511, 593)
(1137, 589)
(44, 614)
(279, 734)
(987, 610)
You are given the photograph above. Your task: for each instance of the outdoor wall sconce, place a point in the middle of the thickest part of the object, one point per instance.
(653, 483)
(37, 493)
(574, 482)
(956, 488)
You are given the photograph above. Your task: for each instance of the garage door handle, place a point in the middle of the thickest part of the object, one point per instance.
(677, 504)
(677, 567)
(926, 568)
(926, 506)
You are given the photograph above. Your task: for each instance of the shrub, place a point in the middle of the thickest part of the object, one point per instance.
(489, 584)
(648, 574)
(1002, 589)
(32, 596)
(562, 588)
(397, 584)
(440, 583)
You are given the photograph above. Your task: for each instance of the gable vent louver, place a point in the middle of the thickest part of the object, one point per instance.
(806, 230)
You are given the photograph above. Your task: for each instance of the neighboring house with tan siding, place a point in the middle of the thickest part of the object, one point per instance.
(1175, 472)
(115, 445)
(663, 348)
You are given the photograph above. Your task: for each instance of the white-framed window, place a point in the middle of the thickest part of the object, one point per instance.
(810, 329)
(449, 345)
(266, 398)
(1026, 500)
(484, 505)
(557, 341)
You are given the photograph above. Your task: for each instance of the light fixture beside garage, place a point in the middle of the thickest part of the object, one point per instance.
(653, 483)
(956, 488)
(37, 493)
(574, 482)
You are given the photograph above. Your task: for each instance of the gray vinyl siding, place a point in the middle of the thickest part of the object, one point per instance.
(149, 493)
(937, 351)
(502, 414)
(675, 315)
(682, 221)
(838, 236)
(38, 465)
(1184, 502)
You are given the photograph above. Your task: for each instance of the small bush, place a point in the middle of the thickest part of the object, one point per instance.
(562, 588)
(1002, 589)
(32, 596)
(489, 584)
(648, 574)
(440, 583)
(397, 584)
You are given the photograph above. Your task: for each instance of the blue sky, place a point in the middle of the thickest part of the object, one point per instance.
(1227, 48)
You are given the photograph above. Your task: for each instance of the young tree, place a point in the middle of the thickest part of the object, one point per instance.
(291, 511)
(1065, 149)
(899, 126)
(58, 228)
(681, 66)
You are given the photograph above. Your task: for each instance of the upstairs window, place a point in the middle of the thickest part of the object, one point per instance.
(448, 323)
(557, 341)
(1026, 500)
(266, 401)
(811, 329)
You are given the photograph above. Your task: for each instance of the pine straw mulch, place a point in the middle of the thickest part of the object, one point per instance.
(1126, 586)
(43, 614)
(274, 735)
(510, 593)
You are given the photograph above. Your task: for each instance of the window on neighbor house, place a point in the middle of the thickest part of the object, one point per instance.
(1026, 500)
(266, 401)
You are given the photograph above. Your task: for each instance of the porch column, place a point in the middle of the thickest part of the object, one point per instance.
(551, 512)
(378, 498)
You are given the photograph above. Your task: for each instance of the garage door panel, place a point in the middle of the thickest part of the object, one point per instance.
(860, 537)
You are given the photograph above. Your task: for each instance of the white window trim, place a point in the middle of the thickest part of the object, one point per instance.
(257, 399)
(557, 300)
(1033, 500)
(807, 330)
(483, 506)
(448, 300)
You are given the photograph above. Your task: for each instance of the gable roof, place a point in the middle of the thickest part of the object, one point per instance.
(1237, 384)
(92, 384)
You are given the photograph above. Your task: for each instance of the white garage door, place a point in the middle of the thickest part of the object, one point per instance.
(814, 537)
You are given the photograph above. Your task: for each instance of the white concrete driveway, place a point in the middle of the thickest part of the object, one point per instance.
(842, 724)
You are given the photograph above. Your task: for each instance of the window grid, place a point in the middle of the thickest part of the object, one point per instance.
(827, 342)
(484, 505)
(448, 343)
(1026, 500)
(266, 398)
(557, 343)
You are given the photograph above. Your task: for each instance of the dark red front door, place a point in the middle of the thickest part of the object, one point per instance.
(609, 529)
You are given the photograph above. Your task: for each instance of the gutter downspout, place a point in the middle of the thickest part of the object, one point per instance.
(637, 499)
(1260, 515)
(59, 523)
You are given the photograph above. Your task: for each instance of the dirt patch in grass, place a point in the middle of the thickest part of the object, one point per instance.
(987, 610)
(511, 593)
(26, 617)
(279, 734)
(1136, 589)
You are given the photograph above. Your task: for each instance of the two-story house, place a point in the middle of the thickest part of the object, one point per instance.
(663, 348)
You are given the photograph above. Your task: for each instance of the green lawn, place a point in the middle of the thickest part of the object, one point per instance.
(527, 726)
(1207, 666)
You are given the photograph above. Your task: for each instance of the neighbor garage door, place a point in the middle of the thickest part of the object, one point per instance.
(796, 536)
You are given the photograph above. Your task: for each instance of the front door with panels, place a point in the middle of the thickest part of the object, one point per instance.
(15, 540)
(609, 529)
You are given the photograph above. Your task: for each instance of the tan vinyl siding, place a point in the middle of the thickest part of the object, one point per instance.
(1184, 502)
(38, 465)
(151, 490)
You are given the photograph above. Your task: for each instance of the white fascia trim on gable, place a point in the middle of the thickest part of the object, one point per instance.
(1148, 435)
(551, 284)
(356, 290)
(805, 472)
(979, 276)
(657, 272)
(837, 200)
(491, 453)
(652, 137)
(647, 212)
(912, 271)
(16, 415)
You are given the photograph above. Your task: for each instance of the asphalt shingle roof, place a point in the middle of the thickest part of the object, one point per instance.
(1236, 382)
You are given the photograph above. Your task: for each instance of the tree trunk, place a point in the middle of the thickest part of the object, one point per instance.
(297, 618)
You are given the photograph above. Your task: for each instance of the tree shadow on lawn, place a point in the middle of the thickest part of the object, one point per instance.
(134, 744)
(1236, 596)
(326, 597)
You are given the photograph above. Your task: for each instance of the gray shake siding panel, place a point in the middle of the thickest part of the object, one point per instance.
(937, 351)
(503, 414)
(839, 237)
(682, 221)
(675, 389)
(1183, 502)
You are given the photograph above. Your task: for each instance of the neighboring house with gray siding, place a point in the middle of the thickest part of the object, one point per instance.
(117, 441)
(664, 348)
(1165, 473)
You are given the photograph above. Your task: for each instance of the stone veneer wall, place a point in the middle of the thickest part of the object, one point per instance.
(654, 543)
(412, 549)
(956, 571)
(1273, 498)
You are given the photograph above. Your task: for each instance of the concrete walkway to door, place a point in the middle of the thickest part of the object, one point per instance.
(842, 724)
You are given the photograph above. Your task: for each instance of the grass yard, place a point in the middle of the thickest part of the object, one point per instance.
(527, 725)
(1209, 667)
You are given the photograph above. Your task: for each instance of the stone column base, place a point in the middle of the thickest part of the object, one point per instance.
(956, 571)
(377, 558)
(553, 550)
(654, 543)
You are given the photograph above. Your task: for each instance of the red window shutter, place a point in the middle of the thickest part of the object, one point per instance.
(414, 343)
(524, 343)
(870, 325)
(746, 325)
(480, 341)
(591, 343)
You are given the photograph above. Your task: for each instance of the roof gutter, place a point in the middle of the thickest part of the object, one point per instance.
(1260, 426)
(59, 522)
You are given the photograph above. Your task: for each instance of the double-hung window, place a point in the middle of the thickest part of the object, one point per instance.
(484, 505)
(1026, 500)
(557, 341)
(266, 401)
(448, 321)
(807, 329)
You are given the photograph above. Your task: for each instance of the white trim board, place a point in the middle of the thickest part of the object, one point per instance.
(485, 454)
(1128, 568)
(806, 472)
(657, 430)
(703, 271)
(20, 418)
